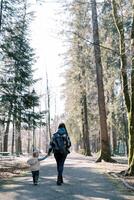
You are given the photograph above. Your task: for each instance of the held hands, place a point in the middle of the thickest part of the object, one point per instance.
(48, 154)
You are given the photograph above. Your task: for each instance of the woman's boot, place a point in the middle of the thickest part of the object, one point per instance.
(59, 180)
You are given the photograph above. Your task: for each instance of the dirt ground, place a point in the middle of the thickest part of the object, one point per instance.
(18, 167)
(114, 169)
(13, 167)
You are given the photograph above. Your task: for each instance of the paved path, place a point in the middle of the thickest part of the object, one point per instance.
(82, 182)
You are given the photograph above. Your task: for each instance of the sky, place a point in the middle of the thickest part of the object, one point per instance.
(48, 46)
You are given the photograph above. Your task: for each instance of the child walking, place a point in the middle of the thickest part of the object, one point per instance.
(34, 163)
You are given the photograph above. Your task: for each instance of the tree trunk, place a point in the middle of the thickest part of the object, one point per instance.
(125, 124)
(84, 110)
(86, 128)
(48, 107)
(129, 102)
(114, 135)
(105, 147)
(123, 58)
(40, 137)
(29, 139)
(5, 141)
(13, 138)
(1, 8)
(18, 138)
(131, 127)
(19, 142)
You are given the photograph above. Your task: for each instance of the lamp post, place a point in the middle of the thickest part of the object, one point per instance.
(33, 93)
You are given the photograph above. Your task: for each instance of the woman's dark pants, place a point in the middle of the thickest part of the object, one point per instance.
(60, 159)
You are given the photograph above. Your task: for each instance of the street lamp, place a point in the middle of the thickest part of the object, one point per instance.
(33, 94)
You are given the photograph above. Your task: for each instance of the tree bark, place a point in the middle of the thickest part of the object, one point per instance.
(5, 141)
(1, 8)
(48, 106)
(13, 137)
(29, 141)
(123, 58)
(129, 100)
(105, 153)
(85, 128)
(131, 127)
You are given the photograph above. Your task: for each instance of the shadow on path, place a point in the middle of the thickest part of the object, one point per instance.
(81, 182)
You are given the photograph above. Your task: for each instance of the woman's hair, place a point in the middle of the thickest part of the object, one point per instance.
(62, 125)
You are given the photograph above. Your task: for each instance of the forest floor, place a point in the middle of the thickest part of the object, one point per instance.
(18, 167)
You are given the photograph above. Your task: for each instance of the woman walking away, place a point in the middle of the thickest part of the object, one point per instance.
(34, 163)
(59, 145)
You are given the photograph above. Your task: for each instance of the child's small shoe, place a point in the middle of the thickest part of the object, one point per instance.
(35, 183)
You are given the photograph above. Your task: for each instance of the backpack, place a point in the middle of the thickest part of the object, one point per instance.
(59, 143)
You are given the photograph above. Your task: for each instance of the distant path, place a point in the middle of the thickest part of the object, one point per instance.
(82, 182)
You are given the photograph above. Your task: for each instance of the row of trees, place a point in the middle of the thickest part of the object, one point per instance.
(18, 99)
(100, 47)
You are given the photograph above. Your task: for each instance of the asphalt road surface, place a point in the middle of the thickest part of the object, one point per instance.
(81, 182)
